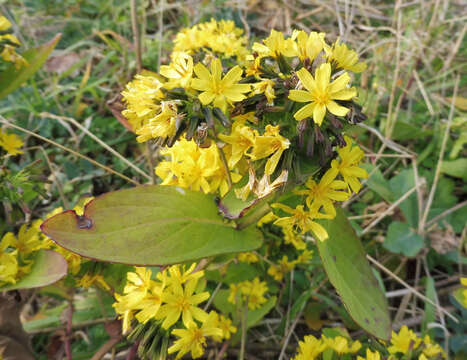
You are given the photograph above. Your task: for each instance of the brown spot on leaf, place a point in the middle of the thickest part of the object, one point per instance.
(84, 222)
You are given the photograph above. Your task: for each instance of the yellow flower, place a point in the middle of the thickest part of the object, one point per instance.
(217, 90)
(404, 342)
(348, 167)
(181, 301)
(291, 237)
(125, 312)
(142, 97)
(225, 324)
(241, 139)
(309, 348)
(179, 71)
(28, 240)
(325, 193)
(11, 143)
(269, 217)
(161, 125)
(266, 87)
(308, 46)
(88, 280)
(431, 349)
(8, 260)
(178, 274)
(301, 220)
(247, 257)
(344, 58)
(370, 355)
(284, 267)
(271, 142)
(341, 345)
(304, 257)
(275, 45)
(151, 303)
(321, 93)
(193, 338)
(9, 54)
(464, 292)
(194, 168)
(137, 286)
(251, 291)
(5, 24)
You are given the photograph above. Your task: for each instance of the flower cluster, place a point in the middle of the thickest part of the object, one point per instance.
(251, 292)
(172, 300)
(8, 44)
(404, 345)
(11, 143)
(230, 118)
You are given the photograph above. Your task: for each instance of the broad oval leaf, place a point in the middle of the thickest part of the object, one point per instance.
(348, 270)
(150, 225)
(12, 78)
(48, 267)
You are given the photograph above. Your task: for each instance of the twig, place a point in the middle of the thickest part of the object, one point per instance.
(224, 347)
(413, 290)
(132, 353)
(104, 349)
(69, 328)
(99, 141)
(289, 334)
(392, 207)
(136, 37)
(446, 213)
(241, 356)
(106, 168)
(440, 160)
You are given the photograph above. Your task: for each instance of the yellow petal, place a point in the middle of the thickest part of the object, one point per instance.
(234, 75)
(336, 109)
(345, 94)
(307, 80)
(322, 76)
(304, 112)
(206, 97)
(201, 71)
(339, 84)
(319, 231)
(216, 69)
(300, 96)
(318, 113)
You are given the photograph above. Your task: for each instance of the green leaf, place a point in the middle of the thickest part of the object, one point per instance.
(377, 182)
(348, 270)
(12, 78)
(405, 131)
(402, 240)
(150, 225)
(400, 185)
(430, 311)
(456, 168)
(48, 267)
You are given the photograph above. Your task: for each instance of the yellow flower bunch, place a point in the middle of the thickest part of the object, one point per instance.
(219, 119)
(404, 345)
(464, 291)
(221, 38)
(8, 44)
(285, 266)
(11, 143)
(249, 291)
(17, 252)
(174, 294)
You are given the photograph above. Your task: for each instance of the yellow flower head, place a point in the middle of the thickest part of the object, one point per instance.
(248, 257)
(404, 342)
(308, 46)
(370, 355)
(216, 89)
(326, 192)
(11, 143)
(320, 93)
(181, 300)
(431, 349)
(193, 338)
(284, 267)
(342, 345)
(344, 58)
(251, 291)
(8, 260)
(179, 71)
(271, 142)
(194, 168)
(309, 348)
(275, 45)
(266, 87)
(142, 97)
(162, 125)
(5, 24)
(241, 139)
(301, 220)
(350, 157)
